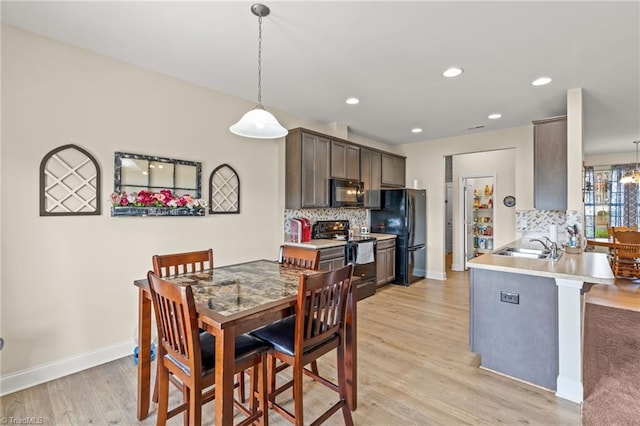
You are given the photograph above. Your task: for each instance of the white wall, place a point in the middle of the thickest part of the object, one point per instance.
(610, 159)
(67, 282)
(501, 164)
(425, 162)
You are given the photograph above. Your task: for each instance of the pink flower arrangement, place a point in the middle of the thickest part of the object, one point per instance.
(164, 198)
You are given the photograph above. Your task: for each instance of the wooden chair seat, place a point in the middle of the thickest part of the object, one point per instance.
(317, 329)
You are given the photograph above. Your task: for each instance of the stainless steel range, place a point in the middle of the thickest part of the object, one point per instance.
(361, 251)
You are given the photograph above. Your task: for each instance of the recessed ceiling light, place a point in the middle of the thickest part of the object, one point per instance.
(416, 130)
(353, 101)
(541, 81)
(494, 116)
(453, 72)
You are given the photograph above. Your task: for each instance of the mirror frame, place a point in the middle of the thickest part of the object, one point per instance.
(118, 184)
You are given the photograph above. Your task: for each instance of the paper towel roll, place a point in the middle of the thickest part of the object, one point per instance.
(553, 232)
(415, 184)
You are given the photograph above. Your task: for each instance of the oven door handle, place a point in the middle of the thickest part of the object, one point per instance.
(352, 253)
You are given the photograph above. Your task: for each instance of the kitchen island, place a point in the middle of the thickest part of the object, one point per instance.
(526, 315)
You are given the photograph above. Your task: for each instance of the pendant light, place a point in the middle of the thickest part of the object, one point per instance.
(632, 176)
(259, 123)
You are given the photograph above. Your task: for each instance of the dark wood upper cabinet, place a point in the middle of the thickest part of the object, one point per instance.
(307, 159)
(393, 171)
(345, 160)
(550, 163)
(370, 175)
(312, 158)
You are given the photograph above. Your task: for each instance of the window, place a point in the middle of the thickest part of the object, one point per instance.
(607, 202)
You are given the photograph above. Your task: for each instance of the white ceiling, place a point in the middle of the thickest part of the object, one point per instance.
(390, 55)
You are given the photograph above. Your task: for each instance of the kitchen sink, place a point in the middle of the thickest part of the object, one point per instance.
(527, 253)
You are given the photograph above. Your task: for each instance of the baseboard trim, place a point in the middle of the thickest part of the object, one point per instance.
(24, 379)
(569, 389)
(457, 267)
(440, 276)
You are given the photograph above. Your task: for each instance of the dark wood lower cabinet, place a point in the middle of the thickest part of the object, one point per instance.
(331, 258)
(386, 261)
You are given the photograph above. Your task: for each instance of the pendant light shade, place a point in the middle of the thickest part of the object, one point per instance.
(632, 176)
(259, 123)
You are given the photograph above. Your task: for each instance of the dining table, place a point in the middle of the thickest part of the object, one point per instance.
(231, 300)
(601, 242)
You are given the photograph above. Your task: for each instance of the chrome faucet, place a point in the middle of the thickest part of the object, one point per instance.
(552, 246)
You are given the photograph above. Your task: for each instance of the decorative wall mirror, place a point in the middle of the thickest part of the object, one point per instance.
(69, 183)
(135, 172)
(224, 190)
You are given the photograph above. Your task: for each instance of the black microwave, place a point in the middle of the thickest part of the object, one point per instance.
(347, 193)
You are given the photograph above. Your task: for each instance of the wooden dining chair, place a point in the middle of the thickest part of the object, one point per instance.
(299, 257)
(189, 356)
(182, 263)
(626, 254)
(165, 265)
(317, 329)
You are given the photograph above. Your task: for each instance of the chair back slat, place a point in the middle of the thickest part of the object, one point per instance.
(177, 321)
(182, 263)
(321, 307)
(299, 257)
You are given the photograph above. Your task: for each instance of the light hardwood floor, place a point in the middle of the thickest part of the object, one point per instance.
(414, 368)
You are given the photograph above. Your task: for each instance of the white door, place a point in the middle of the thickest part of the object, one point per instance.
(468, 221)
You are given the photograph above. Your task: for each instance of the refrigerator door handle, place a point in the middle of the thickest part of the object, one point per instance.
(410, 219)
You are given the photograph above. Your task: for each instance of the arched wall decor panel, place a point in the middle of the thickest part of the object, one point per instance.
(69, 183)
(224, 190)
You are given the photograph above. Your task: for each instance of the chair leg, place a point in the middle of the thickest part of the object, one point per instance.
(241, 387)
(262, 391)
(271, 373)
(314, 368)
(342, 386)
(195, 406)
(185, 398)
(253, 387)
(163, 395)
(297, 394)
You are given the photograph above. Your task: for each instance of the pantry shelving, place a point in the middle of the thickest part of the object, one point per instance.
(483, 220)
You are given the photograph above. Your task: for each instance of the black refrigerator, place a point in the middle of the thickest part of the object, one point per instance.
(403, 212)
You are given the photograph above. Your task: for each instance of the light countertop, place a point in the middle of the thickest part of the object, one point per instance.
(322, 244)
(587, 267)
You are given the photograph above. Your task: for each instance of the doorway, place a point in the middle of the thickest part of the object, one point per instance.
(477, 216)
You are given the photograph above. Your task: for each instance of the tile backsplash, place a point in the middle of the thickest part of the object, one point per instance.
(356, 217)
(536, 223)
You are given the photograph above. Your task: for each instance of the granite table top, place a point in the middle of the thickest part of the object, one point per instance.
(231, 289)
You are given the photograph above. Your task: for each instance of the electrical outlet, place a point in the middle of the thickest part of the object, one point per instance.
(514, 298)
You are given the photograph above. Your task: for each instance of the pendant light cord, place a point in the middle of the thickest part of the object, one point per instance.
(260, 60)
